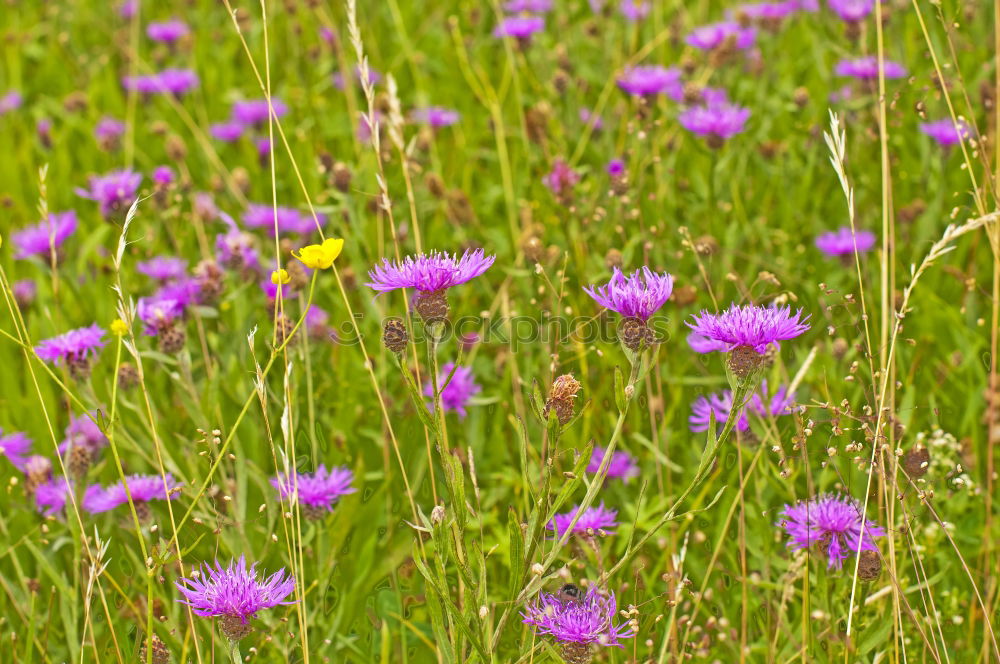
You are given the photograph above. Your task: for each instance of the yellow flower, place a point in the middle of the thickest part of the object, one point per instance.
(119, 328)
(280, 277)
(320, 256)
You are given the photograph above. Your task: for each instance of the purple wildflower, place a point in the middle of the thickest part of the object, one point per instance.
(364, 131)
(702, 344)
(455, 395)
(317, 491)
(127, 8)
(429, 273)
(158, 313)
(536, 6)
(639, 295)
(843, 242)
(635, 10)
(108, 130)
(720, 405)
(782, 402)
(10, 102)
(16, 447)
(374, 77)
(866, 68)
(236, 593)
(254, 111)
(115, 191)
(24, 292)
(163, 268)
(168, 31)
(82, 431)
(852, 11)
(45, 236)
(622, 465)
(519, 27)
(74, 348)
(185, 291)
(316, 321)
(561, 180)
(435, 116)
(578, 622)
(50, 496)
(649, 80)
(767, 11)
(143, 489)
(163, 176)
(290, 220)
(750, 325)
(946, 132)
(227, 132)
(592, 520)
(235, 249)
(834, 522)
(616, 168)
(587, 116)
(169, 81)
(716, 122)
(712, 36)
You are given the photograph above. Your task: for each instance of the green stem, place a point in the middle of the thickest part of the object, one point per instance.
(234, 652)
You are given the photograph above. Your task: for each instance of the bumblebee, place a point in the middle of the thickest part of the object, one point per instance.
(570, 593)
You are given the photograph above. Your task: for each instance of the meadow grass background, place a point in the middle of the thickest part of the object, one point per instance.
(719, 584)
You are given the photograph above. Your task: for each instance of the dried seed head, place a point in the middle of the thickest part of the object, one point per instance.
(869, 565)
(171, 340)
(916, 461)
(613, 259)
(561, 396)
(161, 654)
(80, 458)
(394, 335)
(128, 376)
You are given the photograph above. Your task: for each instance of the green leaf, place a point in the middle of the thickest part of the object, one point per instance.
(620, 399)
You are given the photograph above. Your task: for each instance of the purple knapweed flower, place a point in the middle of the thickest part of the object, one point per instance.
(852, 11)
(290, 220)
(16, 447)
(635, 10)
(945, 132)
(592, 520)
(10, 102)
(176, 82)
(374, 77)
(163, 268)
(168, 32)
(720, 405)
(843, 242)
(227, 132)
(833, 521)
(587, 116)
(74, 348)
(254, 112)
(44, 237)
(716, 122)
(429, 273)
(622, 465)
(115, 191)
(615, 168)
(50, 496)
(578, 622)
(83, 431)
(639, 295)
(536, 6)
(561, 180)
(158, 313)
(435, 116)
(712, 36)
(701, 344)
(186, 291)
(143, 489)
(317, 492)
(235, 593)
(163, 176)
(108, 130)
(782, 402)
(519, 27)
(316, 321)
(649, 80)
(24, 291)
(128, 8)
(866, 68)
(750, 325)
(455, 395)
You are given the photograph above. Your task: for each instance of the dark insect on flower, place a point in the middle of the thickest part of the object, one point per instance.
(570, 593)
